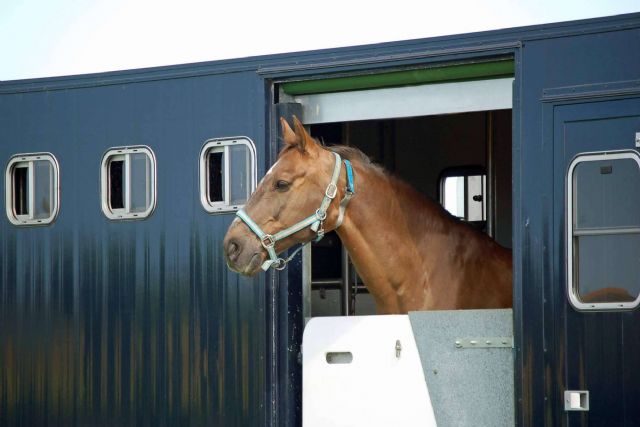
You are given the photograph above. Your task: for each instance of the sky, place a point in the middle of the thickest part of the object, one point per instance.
(41, 38)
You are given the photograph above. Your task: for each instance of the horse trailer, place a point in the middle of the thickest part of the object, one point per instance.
(117, 306)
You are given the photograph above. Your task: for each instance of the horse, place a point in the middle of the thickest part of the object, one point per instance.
(410, 252)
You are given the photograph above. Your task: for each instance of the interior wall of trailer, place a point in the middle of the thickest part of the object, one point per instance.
(418, 150)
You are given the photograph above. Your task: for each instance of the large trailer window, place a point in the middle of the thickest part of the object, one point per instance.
(128, 183)
(227, 173)
(603, 230)
(32, 189)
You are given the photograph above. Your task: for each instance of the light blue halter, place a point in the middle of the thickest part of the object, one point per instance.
(314, 221)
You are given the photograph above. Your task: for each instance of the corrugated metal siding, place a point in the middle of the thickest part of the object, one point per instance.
(136, 323)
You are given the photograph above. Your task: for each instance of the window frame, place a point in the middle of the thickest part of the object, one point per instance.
(30, 158)
(465, 172)
(217, 144)
(124, 154)
(572, 288)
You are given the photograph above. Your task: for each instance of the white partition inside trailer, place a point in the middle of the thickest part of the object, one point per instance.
(371, 370)
(363, 371)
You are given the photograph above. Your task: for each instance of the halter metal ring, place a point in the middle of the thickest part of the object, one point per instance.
(267, 241)
(331, 191)
(281, 264)
(321, 215)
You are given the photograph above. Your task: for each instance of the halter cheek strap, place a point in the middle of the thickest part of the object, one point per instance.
(314, 221)
(349, 191)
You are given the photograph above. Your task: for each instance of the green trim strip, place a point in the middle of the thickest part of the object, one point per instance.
(480, 70)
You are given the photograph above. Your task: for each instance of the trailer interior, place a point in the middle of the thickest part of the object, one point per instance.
(466, 156)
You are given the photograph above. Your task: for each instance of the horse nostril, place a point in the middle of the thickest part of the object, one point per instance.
(233, 250)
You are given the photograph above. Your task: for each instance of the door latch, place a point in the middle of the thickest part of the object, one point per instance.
(576, 400)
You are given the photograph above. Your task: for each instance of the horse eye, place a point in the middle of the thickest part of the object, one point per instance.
(282, 185)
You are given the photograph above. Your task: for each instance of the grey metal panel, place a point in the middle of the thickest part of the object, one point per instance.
(467, 386)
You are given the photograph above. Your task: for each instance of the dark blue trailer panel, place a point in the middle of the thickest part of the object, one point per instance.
(579, 93)
(130, 322)
(140, 322)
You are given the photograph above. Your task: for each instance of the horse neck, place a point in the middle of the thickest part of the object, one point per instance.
(387, 225)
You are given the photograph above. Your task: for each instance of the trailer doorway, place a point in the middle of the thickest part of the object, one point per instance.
(431, 136)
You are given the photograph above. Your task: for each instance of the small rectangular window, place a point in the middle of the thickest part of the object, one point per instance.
(128, 182)
(140, 182)
(31, 188)
(116, 183)
(227, 173)
(463, 193)
(603, 230)
(216, 176)
(21, 189)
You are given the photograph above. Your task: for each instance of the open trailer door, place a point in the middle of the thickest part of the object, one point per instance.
(580, 112)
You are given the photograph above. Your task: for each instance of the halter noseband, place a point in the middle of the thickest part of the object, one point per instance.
(314, 221)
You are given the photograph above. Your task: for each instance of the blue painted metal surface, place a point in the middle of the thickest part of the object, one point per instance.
(140, 323)
(575, 350)
(129, 323)
(595, 351)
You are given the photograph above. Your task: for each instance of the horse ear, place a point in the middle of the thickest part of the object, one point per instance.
(289, 137)
(298, 138)
(308, 144)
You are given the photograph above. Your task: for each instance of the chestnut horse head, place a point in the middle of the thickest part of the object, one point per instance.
(291, 205)
(410, 252)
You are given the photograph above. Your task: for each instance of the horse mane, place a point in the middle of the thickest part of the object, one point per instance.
(424, 209)
(350, 153)
(423, 204)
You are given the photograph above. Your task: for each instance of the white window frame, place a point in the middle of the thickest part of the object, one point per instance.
(222, 145)
(124, 154)
(21, 160)
(572, 290)
(465, 172)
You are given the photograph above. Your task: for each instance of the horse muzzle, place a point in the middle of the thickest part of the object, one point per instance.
(243, 252)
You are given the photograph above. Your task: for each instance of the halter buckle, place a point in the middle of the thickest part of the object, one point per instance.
(267, 241)
(331, 191)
